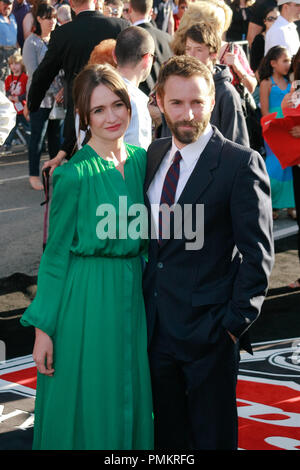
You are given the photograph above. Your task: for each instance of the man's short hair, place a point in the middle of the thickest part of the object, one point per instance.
(64, 13)
(203, 33)
(186, 67)
(79, 3)
(141, 6)
(132, 44)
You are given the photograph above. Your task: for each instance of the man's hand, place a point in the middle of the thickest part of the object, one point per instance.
(234, 339)
(55, 162)
(43, 353)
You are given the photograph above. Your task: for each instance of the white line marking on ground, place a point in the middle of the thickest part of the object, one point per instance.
(14, 209)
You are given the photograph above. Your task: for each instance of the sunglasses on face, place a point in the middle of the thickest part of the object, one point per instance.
(271, 18)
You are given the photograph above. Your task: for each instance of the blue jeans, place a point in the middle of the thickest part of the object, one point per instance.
(20, 121)
(40, 125)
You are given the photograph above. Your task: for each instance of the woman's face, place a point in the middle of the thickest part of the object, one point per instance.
(271, 18)
(181, 9)
(47, 24)
(109, 116)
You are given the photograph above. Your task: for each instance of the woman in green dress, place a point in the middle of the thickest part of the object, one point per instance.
(93, 389)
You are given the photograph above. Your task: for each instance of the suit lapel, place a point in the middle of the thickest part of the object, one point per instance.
(154, 159)
(202, 174)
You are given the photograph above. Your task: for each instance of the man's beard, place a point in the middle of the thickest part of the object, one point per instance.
(187, 136)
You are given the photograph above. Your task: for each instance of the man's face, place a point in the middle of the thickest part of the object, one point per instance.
(148, 62)
(5, 8)
(187, 107)
(126, 11)
(199, 51)
(294, 11)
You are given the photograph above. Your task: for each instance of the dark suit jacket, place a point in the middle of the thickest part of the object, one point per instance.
(162, 53)
(69, 49)
(199, 294)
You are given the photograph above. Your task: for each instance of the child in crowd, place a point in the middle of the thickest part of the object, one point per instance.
(15, 88)
(274, 85)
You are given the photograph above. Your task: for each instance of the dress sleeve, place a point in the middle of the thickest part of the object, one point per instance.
(42, 313)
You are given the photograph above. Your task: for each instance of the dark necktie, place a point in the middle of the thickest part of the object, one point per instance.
(169, 191)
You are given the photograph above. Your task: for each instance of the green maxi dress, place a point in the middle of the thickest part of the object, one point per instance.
(89, 301)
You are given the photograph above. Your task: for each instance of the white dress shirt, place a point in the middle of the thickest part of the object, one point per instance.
(190, 156)
(138, 22)
(283, 33)
(139, 132)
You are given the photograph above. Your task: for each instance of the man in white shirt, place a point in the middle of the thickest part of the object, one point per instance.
(284, 31)
(134, 53)
(206, 276)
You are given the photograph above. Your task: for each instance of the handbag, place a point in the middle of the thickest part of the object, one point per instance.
(57, 112)
(281, 142)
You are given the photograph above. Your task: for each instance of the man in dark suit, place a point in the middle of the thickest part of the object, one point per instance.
(140, 11)
(209, 263)
(69, 49)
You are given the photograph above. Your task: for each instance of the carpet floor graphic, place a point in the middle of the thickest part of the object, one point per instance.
(268, 398)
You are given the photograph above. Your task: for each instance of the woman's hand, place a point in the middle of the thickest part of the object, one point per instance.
(295, 132)
(43, 353)
(59, 97)
(232, 60)
(26, 112)
(55, 162)
(287, 101)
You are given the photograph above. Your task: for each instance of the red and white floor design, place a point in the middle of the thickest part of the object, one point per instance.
(268, 396)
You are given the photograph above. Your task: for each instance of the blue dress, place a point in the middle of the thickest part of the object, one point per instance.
(281, 180)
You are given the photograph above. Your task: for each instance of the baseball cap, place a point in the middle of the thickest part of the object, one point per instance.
(282, 2)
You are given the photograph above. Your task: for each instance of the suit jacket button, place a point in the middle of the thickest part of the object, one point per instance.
(155, 294)
(160, 265)
(247, 320)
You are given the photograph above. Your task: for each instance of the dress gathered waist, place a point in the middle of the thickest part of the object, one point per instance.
(108, 256)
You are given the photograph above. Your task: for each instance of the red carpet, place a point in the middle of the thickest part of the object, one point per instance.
(26, 377)
(268, 395)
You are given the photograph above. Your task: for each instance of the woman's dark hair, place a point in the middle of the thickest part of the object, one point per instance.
(85, 83)
(44, 10)
(296, 66)
(265, 69)
(267, 12)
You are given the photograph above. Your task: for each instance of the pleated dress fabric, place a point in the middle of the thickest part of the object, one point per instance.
(89, 300)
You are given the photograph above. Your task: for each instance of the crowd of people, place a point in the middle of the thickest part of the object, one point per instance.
(127, 95)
